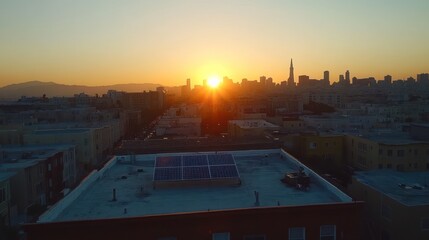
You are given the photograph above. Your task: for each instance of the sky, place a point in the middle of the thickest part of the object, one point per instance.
(103, 42)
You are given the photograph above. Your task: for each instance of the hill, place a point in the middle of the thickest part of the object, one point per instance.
(51, 89)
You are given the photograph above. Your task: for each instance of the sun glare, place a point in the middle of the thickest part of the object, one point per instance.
(213, 81)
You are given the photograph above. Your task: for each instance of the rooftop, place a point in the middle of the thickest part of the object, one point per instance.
(254, 123)
(391, 137)
(26, 156)
(6, 175)
(408, 188)
(61, 131)
(132, 179)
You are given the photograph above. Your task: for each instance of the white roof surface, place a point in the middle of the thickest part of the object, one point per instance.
(259, 171)
(388, 182)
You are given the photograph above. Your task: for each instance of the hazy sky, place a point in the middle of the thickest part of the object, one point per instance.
(107, 42)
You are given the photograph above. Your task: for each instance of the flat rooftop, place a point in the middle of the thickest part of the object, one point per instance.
(253, 123)
(132, 179)
(61, 131)
(16, 157)
(408, 188)
(6, 175)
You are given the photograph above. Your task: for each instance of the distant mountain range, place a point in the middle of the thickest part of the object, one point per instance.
(51, 89)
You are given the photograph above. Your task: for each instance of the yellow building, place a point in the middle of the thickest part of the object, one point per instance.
(325, 150)
(387, 150)
(396, 203)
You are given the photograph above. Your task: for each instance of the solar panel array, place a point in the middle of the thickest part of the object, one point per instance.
(195, 167)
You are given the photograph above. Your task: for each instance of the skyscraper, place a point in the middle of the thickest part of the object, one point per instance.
(291, 80)
(347, 77)
(188, 83)
(326, 76)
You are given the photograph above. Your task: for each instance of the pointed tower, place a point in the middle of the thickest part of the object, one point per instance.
(291, 80)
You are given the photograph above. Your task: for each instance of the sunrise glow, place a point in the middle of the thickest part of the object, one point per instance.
(213, 81)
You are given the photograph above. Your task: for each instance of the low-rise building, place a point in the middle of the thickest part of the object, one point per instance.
(40, 176)
(392, 150)
(250, 128)
(396, 203)
(205, 195)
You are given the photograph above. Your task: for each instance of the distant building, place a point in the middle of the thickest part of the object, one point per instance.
(387, 79)
(396, 151)
(364, 82)
(251, 108)
(396, 203)
(326, 78)
(249, 128)
(92, 144)
(152, 100)
(180, 122)
(293, 124)
(330, 98)
(262, 80)
(210, 195)
(291, 79)
(341, 79)
(423, 78)
(347, 80)
(304, 80)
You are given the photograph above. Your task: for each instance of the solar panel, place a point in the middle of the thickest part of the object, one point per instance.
(167, 174)
(191, 173)
(195, 160)
(170, 170)
(223, 171)
(169, 161)
(221, 159)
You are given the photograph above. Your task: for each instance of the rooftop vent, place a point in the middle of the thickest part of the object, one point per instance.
(417, 186)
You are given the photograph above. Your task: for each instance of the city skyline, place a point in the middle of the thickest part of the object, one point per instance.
(101, 43)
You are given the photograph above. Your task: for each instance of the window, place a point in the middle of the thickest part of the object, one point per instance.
(297, 233)
(425, 224)
(389, 153)
(327, 232)
(313, 145)
(220, 236)
(254, 237)
(389, 165)
(401, 153)
(380, 151)
(380, 166)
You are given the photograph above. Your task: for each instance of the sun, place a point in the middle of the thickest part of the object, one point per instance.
(213, 81)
